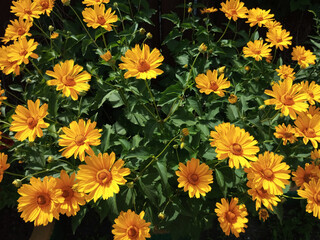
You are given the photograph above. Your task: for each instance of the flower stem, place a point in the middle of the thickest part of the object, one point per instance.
(225, 30)
(153, 100)
(14, 174)
(104, 39)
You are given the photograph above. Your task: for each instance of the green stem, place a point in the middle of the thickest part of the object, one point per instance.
(13, 174)
(225, 30)
(8, 104)
(104, 39)
(299, 198)
(153, 100)
(39, 71)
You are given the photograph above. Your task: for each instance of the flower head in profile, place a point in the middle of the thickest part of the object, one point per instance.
(77, 139)
(21, 50)
(6, 65)
(234, 9)
(17, 29)
(263, 214)
(106, 56)
(69, 78)
(231, 216)
(308, 128)
(306, 174)
(2, 97)
(312, 194)
(258, 16)
(54, 35)
(279, 38)
(46, 6)
(142, 64)
(72, 198)
(101, 176)
(28, 122)
(232, 98)
(315, 154)
(313, 91)
(26, 9)
(89, 3)
(303, 56)
(286, 133)
(285, 72)
(98, 16)
(212, 83)
(208, 10)
(288, 98)
(313, 110)
(38, 201)
(130, 226)
(3, 164)
(195, 178)
(272, 24)
(202, 48)
(257, 50)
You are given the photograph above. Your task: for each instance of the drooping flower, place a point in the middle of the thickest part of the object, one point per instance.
(211, 82)
(54, 35)
(231, 216)
(3, 164)
(306, 174)
(279, 38)
(195, 178)
(308, 128)
(313, 91)
(38, 201)
(142, 64)
(303, 56)
(17, 29)
(107, 56)
(98, 16)
(21, 50)
(315, 154)
(312, 194)
(258, 16)
(69, 78)
(263, 214)
(271, 24)
(77, 139)
(72, 198)
(208, 10)
(94, 2)
(28, 122)
(101, 176)
(257, 50)
(288, 98)
(26, 9)
(130, 226)
(286, 133)
(234, 9)
(46, 6)
(7, 66)
(285, 72)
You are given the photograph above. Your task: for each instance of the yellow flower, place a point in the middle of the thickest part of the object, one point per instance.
(303, 56)
(285, 72)
(313, 110)
(142, 64)
(234, 9)
(263, 214)
(202, 48)
(269, 172)
(27, 122)
(231, 216)
(185, 131)
(308, 128)
(101, 176)
(21, 50)
(2, 97)
(54, 35)
(288, 98)
(195, 178)
(3, 164)
(272, 24)
(46, 6)
(279, 38)
(258, 16)
(130, 226)
(7, 66)
(210, 82)
(26, 9)
(17, 29)
(94, 2)
(257, 50)
(38, 201)
(234, 143)
(302, 176)
(99, 17)
(69, 78)
(107, 56)
(66, 2)
(232, 99)
(208, 10)
(72, 198)
(286, 133)
(313, 91)
(312, 194)
(189, 9)
(77, 139)
(315, 154)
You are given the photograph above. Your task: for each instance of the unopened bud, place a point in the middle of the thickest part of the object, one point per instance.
(142, 31)
(51, 28)
(115, 4)
(49, 159)
(232, 99)
(107, 56)
(202, 48)
(17, 183)
(185, 131)
(175, 146)
(29, 80)
(182, 145)
(185, 66)
(66, 2)
(149, 35)
(262, 107)
(189, 9)
(247, 68)
(161, 215)
(130, 184)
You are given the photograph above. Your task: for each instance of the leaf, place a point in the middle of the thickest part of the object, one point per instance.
(219, 178)
(149, 191)
(170, 94)
(172, 35)
(77, 219)
(172, 17)
(84, 46)
(183, 59)
(232, 112)
(107, 130)
(161, 166)
(16, 87)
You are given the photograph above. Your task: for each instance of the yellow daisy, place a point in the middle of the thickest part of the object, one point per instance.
(26, 9)
(312, 194)
(258, 16)
(306, 174)
(106, 56)
(17, 29)
(279, 38)
(3, 164)
(142, 64)
(313, 91)
(234, 9)
(46, 6)
(263, 214)
(219, 131)
(286, 133)
(257, 50)
(271, 24)
(303, 56)
(7, 66)
(21, 50)
(285, 72)
(313, 110)
(94, 2)
(315, 154)
(2, 98)
(308, 128)
(208, 10)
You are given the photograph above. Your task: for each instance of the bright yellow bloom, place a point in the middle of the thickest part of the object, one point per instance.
(286, 133)
(313, 110)
(236, 144)
(7, 66)
(303, 56)
(69, 78)
(195, 178)
(38, 201)
(46, 6)
(258, 16)
(279, 38)
(313, 91)
(26, 9)
(3, 164)
(308, 128)
(72, 198)
(27, 122)
(101, 176)
(54, 35)
(232, 99)
(231, 216)
(220, 130)
(2, 98)
(208, 10)
(99, 17)
(21, 50)
(272, 24)
(77, 139)
(130, 226)
(315, 154)
(234, 9)
(312, 194)
(257, 50)
(107, 56)
(211, 82)
(269, 173)
(263, 214)
(288, 98)
(94, 2)
(142, 64)
(17, 29)
(285, 72)
(202, 48)
(306, 174)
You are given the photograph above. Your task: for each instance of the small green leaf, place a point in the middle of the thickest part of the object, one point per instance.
(77, 219)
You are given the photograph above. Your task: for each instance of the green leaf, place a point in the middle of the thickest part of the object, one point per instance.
(107, 130)
(172, 35)
(219, 178)
(77, 219)
(232, 113)
(161, 166)
(149, 192)
(16, 87)
(172, 17)
(170, 94)
(84, 46)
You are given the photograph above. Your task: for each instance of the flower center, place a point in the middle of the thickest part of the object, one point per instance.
(193, 178)
(256, 51)
(278, 40)
(309, 132)
(21, 31)
(259, 18)
(101, 19)
(143, 66)
(80, 140)
(214, 86)
(233, 12)
(236, 149)
(27, 11)
(231, 217)
(262, 192)
(317, 198)
(287, 135)
(311, 94)
(44, 4)
(23, 52)
(42, 200)
(104, 176)
(287, 100)
(268, 173)
(306, 178)
(68, 81)
(32, 122)
(133, 232)
(263, 213)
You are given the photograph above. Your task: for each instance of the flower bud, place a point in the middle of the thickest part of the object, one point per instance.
(51, 28)
(182, 145)
(107, 56)
(130, 184)
(161, 215)
(189, 9)
(247, 68)
(185, 131)
(221, 69)
(262, 107)
(175, 146)
(149, 35)
(202, 48)
(115, 4)
(66, 2)
(142, 31)
(29, 81)
(50, 159)
(17, 183)
(232, 99)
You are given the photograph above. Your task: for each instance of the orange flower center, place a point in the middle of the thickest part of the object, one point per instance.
(68, 81)
(263, 214)
(21, 31)
(287, 100)
(233, 12)
(193, 178)
(214, 86)
(256, 51)
(27, 11)
(67, 193)
(231, 217)
(44, 4)
(42, 200)
(32, 122)
(278, 40)
(306, 178)
(262, 192)
(80, 140)
(133, 232)
(23, 52)
(236, 149)
(143, 66)
(311, 94)
(309, 132)
(100, 19)
(104, 176)
(268, 173)
(259, 18)
(287, 135)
